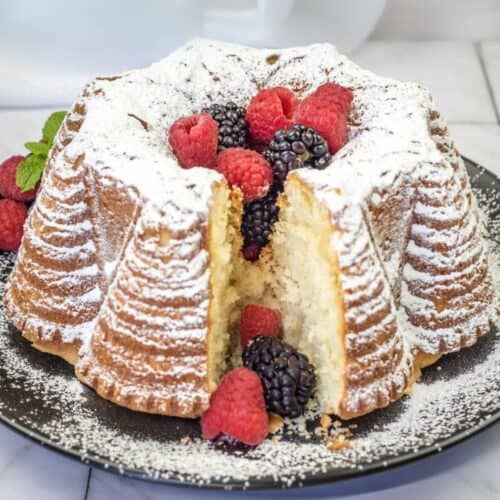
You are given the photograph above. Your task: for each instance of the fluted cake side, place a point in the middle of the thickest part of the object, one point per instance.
(129, 267)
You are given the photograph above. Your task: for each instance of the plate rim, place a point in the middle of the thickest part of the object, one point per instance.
(327, 477)
(93, 461)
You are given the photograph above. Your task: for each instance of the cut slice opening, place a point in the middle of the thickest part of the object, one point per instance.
(297, 274)
(223, 239)
(307, 283)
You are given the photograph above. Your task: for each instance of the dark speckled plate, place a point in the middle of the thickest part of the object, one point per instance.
(458, 397)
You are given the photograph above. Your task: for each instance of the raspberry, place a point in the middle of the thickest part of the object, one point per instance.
(194, 140)
(246, 169)
(288, 378)
(8, 187)
(326, 111)
(258, 320)
(12, 217)
(237, 409)
(269, 111)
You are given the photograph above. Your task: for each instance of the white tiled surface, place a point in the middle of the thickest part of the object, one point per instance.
(480, 143)
(491, 56)
(451, 70)
(455, 76)
(439, 20)
(28, 471)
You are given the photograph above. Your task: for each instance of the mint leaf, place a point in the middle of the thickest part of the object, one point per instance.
(29, 172)
(37, 148)
(52, 125)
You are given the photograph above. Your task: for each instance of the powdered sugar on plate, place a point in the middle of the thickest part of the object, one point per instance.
(458, 396)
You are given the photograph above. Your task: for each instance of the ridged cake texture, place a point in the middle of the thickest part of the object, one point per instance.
(115, 272)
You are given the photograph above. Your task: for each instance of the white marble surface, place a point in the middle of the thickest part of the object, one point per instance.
(465, 89)
(490, 52)
(439, 20)
(28, 471)
(480, 143)
(451, 70)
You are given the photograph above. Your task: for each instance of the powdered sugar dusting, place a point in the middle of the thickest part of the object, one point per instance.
(112, 150)
(39, 393)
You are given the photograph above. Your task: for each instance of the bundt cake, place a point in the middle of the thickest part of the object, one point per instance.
(131, 269)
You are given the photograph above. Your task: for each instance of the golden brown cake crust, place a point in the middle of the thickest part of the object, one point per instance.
(114, 261)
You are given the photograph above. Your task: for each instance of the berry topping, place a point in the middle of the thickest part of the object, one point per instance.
(8, 186)
(326, 111)
(237, 409)
(296, 147)
(233, 127)
(12, 217)
(258, 219)
(287, 376)
(258, 320)
(270, 110)
(247, 170)
(251, 252)
(194, 140)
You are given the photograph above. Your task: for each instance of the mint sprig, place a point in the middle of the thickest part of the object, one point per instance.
(38, 148)
(52, 125)
(30, 170)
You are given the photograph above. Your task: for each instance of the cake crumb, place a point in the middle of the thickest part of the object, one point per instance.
(337, 443)
(325, 421)
(319, 431)
(275, 422)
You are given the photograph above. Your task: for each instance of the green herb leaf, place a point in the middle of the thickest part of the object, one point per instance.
(38, 148)
(29, 172)
(52, 125)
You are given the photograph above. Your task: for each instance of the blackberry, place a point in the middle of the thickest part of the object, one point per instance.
(296, 147)
(233, 128)
(258, 219)
(287, 376)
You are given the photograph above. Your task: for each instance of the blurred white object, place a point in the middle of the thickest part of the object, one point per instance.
(474, 20)
(48, 50)
(284, 23)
